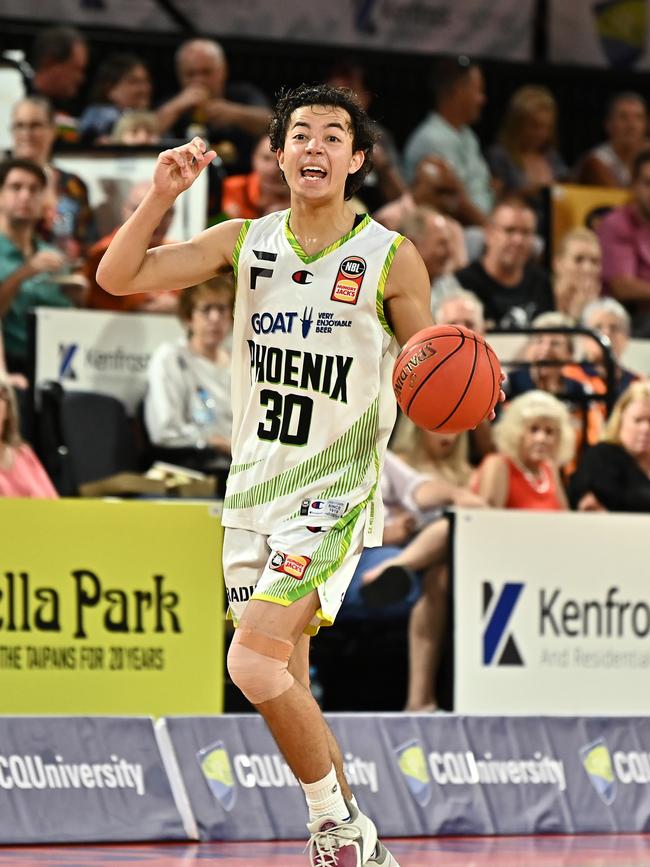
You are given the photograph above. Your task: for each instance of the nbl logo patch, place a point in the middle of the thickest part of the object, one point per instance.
(294, 565)
(347, 285)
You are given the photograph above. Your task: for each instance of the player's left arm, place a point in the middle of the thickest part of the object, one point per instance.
(407, 294)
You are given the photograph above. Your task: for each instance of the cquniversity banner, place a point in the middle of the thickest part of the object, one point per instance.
(420, 775)
(90, 350)
(83, 779)
(110, 608)
(551, 613)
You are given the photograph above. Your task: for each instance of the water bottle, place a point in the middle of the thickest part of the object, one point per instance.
(204, 414)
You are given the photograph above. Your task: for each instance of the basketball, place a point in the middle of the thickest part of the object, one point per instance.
(447, 379)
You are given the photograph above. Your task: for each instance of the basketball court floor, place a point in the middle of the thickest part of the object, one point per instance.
(631, 850)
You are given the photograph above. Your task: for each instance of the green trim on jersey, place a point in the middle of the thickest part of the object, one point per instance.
(238, 245)
(327, 558)
(241, 468)
(354, 450)
(300, 253)
(388, 261)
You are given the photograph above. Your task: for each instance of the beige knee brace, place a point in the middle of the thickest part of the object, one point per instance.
(258, 665)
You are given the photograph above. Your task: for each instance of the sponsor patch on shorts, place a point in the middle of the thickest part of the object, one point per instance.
(293, 565)
(323, 508)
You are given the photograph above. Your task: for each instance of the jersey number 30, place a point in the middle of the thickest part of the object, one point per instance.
(288, 417)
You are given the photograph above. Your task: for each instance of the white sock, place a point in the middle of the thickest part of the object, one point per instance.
(324, 798)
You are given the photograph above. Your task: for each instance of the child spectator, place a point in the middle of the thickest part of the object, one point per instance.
(21, 473)
(188, 395)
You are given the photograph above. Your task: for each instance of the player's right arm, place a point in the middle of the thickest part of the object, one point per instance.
(128, 266)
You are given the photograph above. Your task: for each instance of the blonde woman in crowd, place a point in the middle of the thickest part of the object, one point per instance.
(534, 439)
(21, 473)
(577, 272)
(614, 476)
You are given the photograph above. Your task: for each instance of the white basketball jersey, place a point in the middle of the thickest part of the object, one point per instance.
(312, 396)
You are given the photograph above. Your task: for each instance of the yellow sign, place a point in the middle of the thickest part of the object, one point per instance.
(110, 608)
(574, 206)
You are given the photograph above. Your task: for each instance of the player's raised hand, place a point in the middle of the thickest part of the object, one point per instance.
(178, 168)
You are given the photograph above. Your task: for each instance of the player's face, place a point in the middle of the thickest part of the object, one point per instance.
(635, 428)
(539, 441)
(317, 156)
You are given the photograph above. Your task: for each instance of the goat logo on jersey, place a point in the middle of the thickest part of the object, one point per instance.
(347, 285)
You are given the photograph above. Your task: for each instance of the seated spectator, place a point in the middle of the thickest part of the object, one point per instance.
(136, 128)
(188, 399)
(17, 380)
(258, 193)
(610, 164)
(577, 272)
(59, 58)
(460, 307)
(434, 240)
(67, 220)
(384, 182)
(534, 439)
(21, 473)
(610, 319)
(422, 556)
(149, 302)
(231, 115)
(434, 184)
(614, 476)
(624, 236)
(122, 84)
(513, 289)
(459, 95)
(525, 161)
(32, 273)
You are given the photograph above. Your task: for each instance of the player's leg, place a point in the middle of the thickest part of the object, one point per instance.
(299, 668)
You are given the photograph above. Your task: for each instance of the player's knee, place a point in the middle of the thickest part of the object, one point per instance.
(258, 665)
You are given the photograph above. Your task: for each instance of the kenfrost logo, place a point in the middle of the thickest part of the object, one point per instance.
(606, 770)
(499, 647)
(67, 352)
(597, 763)
(215, 766)
(412, 762)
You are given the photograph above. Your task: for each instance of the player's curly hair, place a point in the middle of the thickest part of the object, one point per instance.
(363, 128)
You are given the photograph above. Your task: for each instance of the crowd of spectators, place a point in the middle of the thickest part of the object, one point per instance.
(478, 212)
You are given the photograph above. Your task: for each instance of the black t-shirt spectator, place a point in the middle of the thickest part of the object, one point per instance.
(509, 306)
(236, 155)
(610, 473)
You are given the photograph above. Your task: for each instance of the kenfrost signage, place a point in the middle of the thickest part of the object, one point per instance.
(549, 616)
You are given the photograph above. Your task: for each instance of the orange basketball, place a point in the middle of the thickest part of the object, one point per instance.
(447, 379)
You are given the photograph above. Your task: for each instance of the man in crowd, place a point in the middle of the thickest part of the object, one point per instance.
(60, 58)
(27, 265)
(624, 236)
(513, 289)
(460, 95)
(232, 115)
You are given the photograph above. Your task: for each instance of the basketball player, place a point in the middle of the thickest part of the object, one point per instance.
(324, 299)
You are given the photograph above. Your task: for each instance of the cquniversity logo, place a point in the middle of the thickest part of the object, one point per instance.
(499, 647)
(412, 762)
(597, 763)
(67, 352)
(215, 766)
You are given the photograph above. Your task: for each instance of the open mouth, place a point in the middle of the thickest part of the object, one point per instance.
(314, 173)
